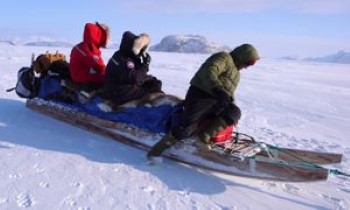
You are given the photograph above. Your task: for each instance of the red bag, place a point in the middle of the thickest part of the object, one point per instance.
(224, 135)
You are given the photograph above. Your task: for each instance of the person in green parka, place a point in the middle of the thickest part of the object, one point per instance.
(210, 98)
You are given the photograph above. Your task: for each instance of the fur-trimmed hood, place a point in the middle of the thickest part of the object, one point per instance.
(133, 45)
(106, 36)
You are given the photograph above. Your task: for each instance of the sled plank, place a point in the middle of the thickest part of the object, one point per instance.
(255, 168)
(280, 170)
(294, 155)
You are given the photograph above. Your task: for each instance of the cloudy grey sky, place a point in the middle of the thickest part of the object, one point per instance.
(278, 28)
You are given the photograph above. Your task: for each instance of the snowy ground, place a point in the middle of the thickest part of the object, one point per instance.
(47, 164)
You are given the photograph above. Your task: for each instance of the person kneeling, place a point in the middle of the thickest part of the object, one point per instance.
(210, 99)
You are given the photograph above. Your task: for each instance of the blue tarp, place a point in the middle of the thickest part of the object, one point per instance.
(48, 86)
(155, 119)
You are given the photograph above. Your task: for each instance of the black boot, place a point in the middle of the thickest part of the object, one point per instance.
(166, 142)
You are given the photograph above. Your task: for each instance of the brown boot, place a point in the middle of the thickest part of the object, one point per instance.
(204, 138)
(166, 142)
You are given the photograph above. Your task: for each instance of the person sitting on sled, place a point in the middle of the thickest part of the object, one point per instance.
(127, 75)
(210, 98)
(87, 68)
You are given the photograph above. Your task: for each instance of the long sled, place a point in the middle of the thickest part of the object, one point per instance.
(244, 157)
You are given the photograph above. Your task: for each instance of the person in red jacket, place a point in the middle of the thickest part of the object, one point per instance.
(87, 67)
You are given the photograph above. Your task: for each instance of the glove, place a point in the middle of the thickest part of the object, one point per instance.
(145, 58)
(223, 99)
(231, 114)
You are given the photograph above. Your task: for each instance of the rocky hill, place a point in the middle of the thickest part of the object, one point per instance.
(187, 44)
(339, 57)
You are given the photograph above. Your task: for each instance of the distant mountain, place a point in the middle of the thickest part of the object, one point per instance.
(50, 44)
(7, 42)
(290, 58)
(339, 57)
(187, 44)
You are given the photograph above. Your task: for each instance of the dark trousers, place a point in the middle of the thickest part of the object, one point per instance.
(198, 107)
(120, 94)
(201, 116)
(124, 93)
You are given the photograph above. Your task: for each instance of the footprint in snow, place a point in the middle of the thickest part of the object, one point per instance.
(75, 184)
(270, 184)
(291, 188)
(24, 200)
(15, 176)
(39, 170)
(44, 184)
(70, 202)
(339, 203)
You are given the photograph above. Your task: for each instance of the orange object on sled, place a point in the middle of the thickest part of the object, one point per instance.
(224, 135)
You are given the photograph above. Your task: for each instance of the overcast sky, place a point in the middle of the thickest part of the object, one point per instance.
(277, 27)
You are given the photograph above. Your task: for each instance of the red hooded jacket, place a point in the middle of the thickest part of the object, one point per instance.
(86, 63)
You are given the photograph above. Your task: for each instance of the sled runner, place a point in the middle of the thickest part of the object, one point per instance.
(242, 156)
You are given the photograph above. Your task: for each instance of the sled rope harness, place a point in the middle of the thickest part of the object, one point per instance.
(310, 164)
(267, 147)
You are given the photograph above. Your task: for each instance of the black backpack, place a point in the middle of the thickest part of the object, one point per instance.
(27, 85)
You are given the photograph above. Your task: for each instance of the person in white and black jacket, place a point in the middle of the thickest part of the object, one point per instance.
(127, 75)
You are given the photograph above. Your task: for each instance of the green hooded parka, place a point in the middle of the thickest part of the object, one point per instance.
(221, 70)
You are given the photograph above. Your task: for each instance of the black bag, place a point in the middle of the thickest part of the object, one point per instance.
(27, 84)
(59, 69)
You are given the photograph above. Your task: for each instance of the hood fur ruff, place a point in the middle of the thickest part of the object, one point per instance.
(141, 43)
(107, 30)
